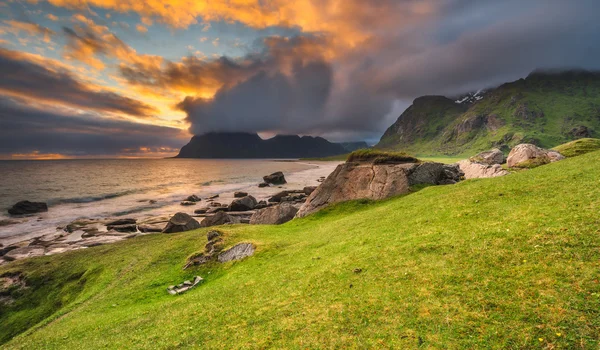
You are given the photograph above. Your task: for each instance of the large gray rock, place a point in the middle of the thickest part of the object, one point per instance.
(274, 215)
(237, 252)
(220, 218)
(434, 174)
(491, 157)
(528, 155)
(276, 178)
(181, 222)
(476, 170)
(243, 204)
(375, 181)
(27, 207)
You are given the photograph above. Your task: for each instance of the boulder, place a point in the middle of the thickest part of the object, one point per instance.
(477, 170)
(239, 194)
(491, 157)
(527, 155)
(121, 222)
(263, 184)
(193, 198)
(555, 156)
(27, 207)
(376, 181)
(181, 222)
(276, 198)
(275, 215)
(433, 174)
(201, 211)
(220, 218)
(276, 178)
(187, 203)
(237, 252)
(243, 204)
(308, 190)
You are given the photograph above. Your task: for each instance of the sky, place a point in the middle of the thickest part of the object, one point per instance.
(138, 78)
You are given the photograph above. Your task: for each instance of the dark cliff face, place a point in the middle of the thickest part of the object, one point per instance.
(546, 108)
(245, 145)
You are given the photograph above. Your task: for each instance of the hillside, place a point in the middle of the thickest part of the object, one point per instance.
(508, 262)
(245, 145)
(546, 108)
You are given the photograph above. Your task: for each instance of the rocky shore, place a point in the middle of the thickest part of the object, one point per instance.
(274, 200)
(194, 212)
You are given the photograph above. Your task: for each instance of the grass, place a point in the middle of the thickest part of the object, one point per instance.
(578, 147)
(376, 156)
(339, 157)
(508, 262)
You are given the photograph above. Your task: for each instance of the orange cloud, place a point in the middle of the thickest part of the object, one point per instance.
(140, 28)
(52, 17)
(88, 42)
(350, 21)
(32, 29)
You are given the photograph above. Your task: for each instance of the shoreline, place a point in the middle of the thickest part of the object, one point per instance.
(84, 231)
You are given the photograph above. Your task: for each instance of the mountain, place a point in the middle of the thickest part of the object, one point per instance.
(246, 145)
(353, 146)
(546, 108)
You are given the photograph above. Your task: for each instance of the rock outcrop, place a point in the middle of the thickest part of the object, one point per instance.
(220, 218)
(193, 198)
(376, 181)
(276, 178)
(181, 222)
(527, 156)
(237, 252)
(474, 170)
(491, 157)
(27, 207)
(274, 215)
(243, 204)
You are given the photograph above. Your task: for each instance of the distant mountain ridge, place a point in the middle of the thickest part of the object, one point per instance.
(247, 145)
(546, 108)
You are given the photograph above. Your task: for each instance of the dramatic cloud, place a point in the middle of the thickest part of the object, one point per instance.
(41, 132)
(26, 78)
(31, 29)
(89, 42)
(342, 70)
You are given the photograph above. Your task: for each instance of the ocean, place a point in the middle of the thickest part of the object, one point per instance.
(135, 188)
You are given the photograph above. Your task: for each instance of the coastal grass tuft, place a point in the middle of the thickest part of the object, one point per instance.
(578, 147)
(504, 263)
(377, 156)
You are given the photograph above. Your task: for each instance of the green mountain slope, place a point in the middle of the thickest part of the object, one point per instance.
(546, 109)
(507, 262)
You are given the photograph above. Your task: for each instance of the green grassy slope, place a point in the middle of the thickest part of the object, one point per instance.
(544, 109)
(509, 262)
(578, 147)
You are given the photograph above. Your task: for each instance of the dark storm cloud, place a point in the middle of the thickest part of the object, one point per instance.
(316, 84)
(265, 102)
(488, 50)
(23, 77)
(25, 129)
